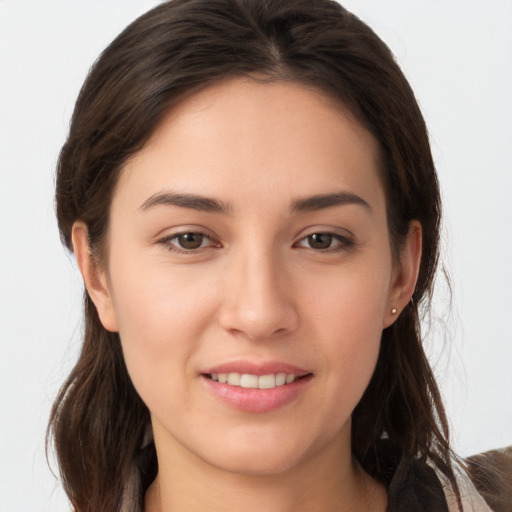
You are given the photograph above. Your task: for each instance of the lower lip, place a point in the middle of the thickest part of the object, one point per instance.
(257, 400)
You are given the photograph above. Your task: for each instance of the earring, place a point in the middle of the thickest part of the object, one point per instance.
(393, 311)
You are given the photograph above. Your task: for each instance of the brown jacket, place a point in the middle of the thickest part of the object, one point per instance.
(491, 473)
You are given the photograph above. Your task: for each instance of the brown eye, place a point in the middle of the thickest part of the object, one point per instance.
(320, 241)
(190, 241)
(325, 242)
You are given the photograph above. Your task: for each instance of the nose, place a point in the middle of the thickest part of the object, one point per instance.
(258, 298)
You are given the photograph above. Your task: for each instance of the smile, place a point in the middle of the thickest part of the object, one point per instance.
(257, 392)
(247, 380)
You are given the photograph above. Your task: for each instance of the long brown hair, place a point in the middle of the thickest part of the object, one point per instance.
(98, 421)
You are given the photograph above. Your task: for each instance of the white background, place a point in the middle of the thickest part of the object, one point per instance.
(458, 57)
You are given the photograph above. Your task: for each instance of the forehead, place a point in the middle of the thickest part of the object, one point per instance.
(248, 142)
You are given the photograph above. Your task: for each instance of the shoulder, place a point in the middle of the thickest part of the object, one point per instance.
(416, 485)
(491, 474)
(485, 483)
(413, 485)
(472, 500)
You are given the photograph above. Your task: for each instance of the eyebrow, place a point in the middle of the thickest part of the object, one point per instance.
(210, 205)
(192, 201)
(321, 201)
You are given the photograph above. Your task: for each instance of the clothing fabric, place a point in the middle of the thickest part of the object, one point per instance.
(418, 486)
(413, 486)
(472, 500)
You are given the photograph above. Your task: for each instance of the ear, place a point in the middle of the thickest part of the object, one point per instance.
(406, 274)
(95, 278)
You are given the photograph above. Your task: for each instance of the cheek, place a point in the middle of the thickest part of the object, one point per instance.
(161, 316)
(347, 314)
(352, 300)
(155, 302)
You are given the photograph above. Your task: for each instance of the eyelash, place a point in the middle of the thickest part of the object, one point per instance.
(173, 247)
(341, 242)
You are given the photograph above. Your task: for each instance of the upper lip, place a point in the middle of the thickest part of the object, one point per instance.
(256, 368)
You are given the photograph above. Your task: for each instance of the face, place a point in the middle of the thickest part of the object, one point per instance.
(249, 275)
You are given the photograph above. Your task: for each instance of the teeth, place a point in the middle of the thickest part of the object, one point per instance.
(281, 379)
(234, 379)
(267, 381)
(246, 380)
(249, 381)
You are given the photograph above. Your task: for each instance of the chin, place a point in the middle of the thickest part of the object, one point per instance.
(264, 455)
(261, 464)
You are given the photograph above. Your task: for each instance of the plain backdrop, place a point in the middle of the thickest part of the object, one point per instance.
(457, 55)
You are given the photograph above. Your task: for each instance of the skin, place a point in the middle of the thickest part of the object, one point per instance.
(257, 288)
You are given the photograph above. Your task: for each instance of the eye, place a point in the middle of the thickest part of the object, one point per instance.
(188, 242)
(325, 242)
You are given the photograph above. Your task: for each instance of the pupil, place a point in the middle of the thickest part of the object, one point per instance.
(191, 240)
(320, 241)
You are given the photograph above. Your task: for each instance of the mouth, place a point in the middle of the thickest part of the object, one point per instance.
(251, 381)
(256, 386)
(256, 389)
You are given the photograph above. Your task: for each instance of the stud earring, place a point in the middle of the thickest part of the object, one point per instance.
(393, 311)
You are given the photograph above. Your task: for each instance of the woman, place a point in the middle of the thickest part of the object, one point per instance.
(250, 194)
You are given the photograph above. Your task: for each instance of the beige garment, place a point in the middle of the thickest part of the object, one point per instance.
(472, 500)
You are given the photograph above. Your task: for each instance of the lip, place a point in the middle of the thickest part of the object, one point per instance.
(253, 368)
(257, 400)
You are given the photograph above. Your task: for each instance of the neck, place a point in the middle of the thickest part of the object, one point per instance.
(329, 481)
